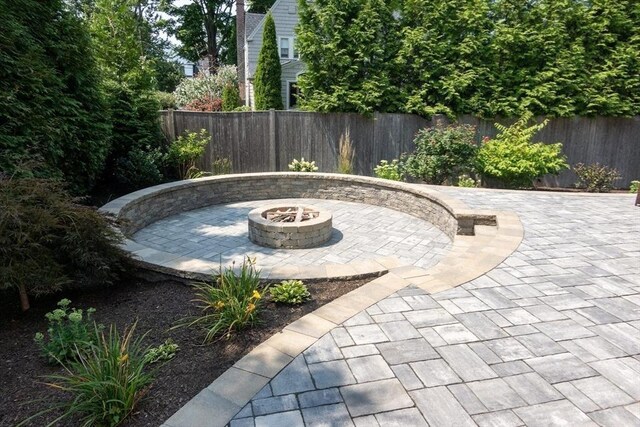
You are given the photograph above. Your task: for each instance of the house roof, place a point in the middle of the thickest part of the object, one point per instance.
(251, 21)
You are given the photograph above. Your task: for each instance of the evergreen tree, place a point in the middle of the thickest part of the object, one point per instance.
(230, 97)
(348, 47)
(266, 84)
(260, 6)
(51, 108)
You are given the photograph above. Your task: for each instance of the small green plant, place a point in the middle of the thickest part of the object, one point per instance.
(595, 178)
(105, 382)
(290, 292)
(514, 160)
(392, 171)
(346, 154)
(466, 181)
(221, 166)
(165, 351)
(230, 97)
(302, 166)
(633, 187)
(229, 304)
(186, 150)
(442, 153)
(70, 331)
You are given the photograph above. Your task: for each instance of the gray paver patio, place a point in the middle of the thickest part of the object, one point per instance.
(550, 337)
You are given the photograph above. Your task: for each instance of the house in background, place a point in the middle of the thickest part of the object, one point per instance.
(249, 30)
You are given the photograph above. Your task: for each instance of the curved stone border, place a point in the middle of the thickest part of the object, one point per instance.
(141, 208)
(469, 258)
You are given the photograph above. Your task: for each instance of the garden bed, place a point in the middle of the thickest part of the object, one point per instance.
(157, 306)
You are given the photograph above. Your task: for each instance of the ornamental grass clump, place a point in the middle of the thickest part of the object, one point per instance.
(290, 292)
(70, 333)
(104, 383)
(229, 304)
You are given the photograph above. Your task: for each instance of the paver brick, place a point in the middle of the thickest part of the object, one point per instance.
(466, 363)
(551, 414)
(495, 394)
(369, 368)
(434, 373)
(331, 374)
(560, 367)
(407, 351)
(440, 408)
(331, 415)
(375, 397)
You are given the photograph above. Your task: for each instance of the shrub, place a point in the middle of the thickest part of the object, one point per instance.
(302, 166)
(392, 171)
(140, 168)
(231, 303)
(221, 166)
(69, 332)
(206, 86)
(346, 154)
(165, 351)
(230, 98)
(166, 100)
(47, 241)
(205, 104)
(595, 178)
(442, 153)
(633, 187)
(290, 292)
(106, 382)
(513, 160)
(186, 150)
(466, 181)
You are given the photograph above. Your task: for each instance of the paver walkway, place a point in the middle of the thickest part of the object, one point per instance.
(550, 337)
(361, 232)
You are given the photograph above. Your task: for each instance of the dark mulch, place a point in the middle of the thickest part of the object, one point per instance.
(157, 306)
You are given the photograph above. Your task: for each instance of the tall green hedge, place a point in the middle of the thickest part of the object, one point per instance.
(266, 85)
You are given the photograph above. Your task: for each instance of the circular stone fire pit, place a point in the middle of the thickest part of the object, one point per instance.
(289, 227)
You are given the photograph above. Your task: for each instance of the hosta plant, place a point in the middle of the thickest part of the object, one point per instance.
(302, 166)
(290, 292)
(165, 351)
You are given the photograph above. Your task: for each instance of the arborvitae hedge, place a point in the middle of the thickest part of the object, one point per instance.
(266, 85)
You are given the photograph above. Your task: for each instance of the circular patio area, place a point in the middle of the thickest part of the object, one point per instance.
(361, 232)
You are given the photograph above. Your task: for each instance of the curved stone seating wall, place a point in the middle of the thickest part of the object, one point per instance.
(141, 208)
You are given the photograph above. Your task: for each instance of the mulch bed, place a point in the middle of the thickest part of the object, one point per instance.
(157, 306)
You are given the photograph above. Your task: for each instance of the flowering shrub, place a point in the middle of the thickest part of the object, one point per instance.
(206, 87)
(595, 178)
(466, 181)
(302, 166)
(69, 332)
(386, 170)
(290, 292)
(231, 303)
(204, 104)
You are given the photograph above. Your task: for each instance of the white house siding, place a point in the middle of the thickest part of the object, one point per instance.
(285, 16)
(290, 72)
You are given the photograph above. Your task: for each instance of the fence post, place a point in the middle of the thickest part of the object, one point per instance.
(273, 142)
(171, 128)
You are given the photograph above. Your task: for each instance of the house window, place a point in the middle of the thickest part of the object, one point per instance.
(284, 48)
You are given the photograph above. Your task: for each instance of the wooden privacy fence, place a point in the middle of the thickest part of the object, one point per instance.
(269, 140)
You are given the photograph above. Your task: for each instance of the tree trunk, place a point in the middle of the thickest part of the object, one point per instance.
(24, 298)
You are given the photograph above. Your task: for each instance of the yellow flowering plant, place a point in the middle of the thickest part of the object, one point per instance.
(230, 302)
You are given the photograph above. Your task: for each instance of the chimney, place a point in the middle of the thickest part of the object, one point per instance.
(240, 35)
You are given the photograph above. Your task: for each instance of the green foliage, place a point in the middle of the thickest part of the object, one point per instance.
(51, 107)
(47, 241)
(221, 166)
(466, 181)
(442, 153)
(260, 6)
(633, 187)
(595, 178)
(348, 48)
(266, 83)
(392, 171)
(165, 351)
(105, 383)
(186, 150)
(206, 86)
(166, 100)
(290, 292)
(230, 304)
(513, 160)
(230, 98)
(70, 332)
(302, 166)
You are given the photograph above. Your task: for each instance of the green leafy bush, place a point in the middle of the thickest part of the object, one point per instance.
(165, 351)
(230, 98)
(186, 150)
(206, 86)
(48, 242)
(140, 168)
(442, 153)
(513, 160)
(466, 181)
(595, 178)
(392, 171)
(166, 100)
(231, 303)
(302, 166)
(106, 382)
(69, 332)
(633, 187)
(221, 166)
(290, 292)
